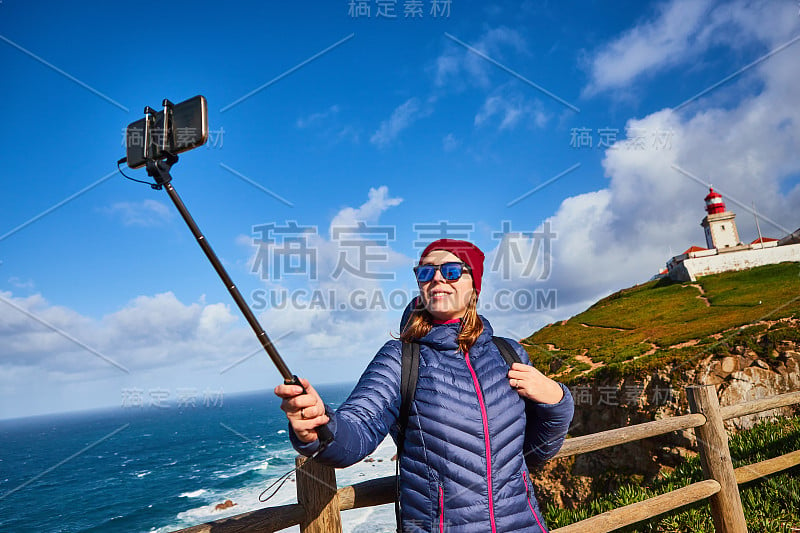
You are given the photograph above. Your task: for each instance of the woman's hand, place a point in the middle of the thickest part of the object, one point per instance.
(304, 411)
(533, 385)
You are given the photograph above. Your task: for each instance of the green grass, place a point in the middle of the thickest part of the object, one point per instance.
(620, 328)
(771, 505)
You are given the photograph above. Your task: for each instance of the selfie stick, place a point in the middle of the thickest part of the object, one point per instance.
(159, 170)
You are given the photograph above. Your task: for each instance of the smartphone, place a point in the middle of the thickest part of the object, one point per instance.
(186, 128)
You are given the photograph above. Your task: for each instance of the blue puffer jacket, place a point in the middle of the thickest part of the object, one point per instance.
(462, 469)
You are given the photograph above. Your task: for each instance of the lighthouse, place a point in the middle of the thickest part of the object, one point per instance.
(719, 224)
(725, 253)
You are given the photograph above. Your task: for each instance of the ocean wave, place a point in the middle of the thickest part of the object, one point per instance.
(251, 467)
(193, 494)
(260, 464)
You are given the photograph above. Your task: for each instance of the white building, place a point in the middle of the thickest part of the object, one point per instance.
(725, 252)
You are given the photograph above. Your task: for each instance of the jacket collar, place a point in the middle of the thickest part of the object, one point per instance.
(444, 337)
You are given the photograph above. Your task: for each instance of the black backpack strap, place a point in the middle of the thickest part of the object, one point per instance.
(409, 372)
(506, 350)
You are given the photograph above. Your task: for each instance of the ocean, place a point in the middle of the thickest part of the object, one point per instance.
(159, 469)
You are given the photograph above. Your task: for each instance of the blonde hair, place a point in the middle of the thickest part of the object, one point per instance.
(421, 322)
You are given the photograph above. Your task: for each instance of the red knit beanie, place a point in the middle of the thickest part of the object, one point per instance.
(466, 251)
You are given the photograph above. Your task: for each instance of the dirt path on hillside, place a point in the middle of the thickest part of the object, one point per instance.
(603, 327)
(583, 358)
(702, 294)
(686, 344)
(651, 351)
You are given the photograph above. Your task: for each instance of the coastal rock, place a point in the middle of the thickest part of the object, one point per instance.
(756, 382)
(729, 365)
(224, 505)
(761, 364)
(554, 482)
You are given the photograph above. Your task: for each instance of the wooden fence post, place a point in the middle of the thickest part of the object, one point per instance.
(316, 492)
(715, 456)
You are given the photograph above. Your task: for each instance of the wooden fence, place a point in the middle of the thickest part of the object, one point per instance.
(319, 504)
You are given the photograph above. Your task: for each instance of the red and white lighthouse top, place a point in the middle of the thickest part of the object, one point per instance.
(714, 203)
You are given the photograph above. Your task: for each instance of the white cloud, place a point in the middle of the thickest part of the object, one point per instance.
(58, 359)
(149, 332)
(511, 111)
(27, 341)
(145, 213)
(214, 320)
(670, 38)
(680, 32)
(316, 118)
(20, 284)
(402, 117)
(450, 143)
(378, 202)
(329, 126)
(347, 133)
(457, 65)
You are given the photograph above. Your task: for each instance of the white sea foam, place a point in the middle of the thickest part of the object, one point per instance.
(193, 494)
(260, 464)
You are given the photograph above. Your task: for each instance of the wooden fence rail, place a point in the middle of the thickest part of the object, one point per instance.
(636, 512)
(319, 506)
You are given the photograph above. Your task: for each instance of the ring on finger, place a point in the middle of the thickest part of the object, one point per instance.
(302, 414)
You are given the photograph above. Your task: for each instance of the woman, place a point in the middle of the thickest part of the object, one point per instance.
(473, 420)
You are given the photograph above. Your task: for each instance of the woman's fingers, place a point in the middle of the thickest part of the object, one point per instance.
(306, 430)
(305, 411)
(521, 379)
(533, 385)
(294, 404)
(288, 391)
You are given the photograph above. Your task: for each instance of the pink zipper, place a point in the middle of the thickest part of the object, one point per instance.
(528, 492)
(441, 510)
(485, 440)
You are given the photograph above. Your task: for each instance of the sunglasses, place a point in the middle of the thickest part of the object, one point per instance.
(450, 271)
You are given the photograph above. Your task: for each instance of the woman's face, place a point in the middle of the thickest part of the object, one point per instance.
(445, 300)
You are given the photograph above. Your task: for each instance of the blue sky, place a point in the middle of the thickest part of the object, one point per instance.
(586, 133)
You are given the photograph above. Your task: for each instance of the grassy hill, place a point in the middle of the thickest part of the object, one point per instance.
(647, 326)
